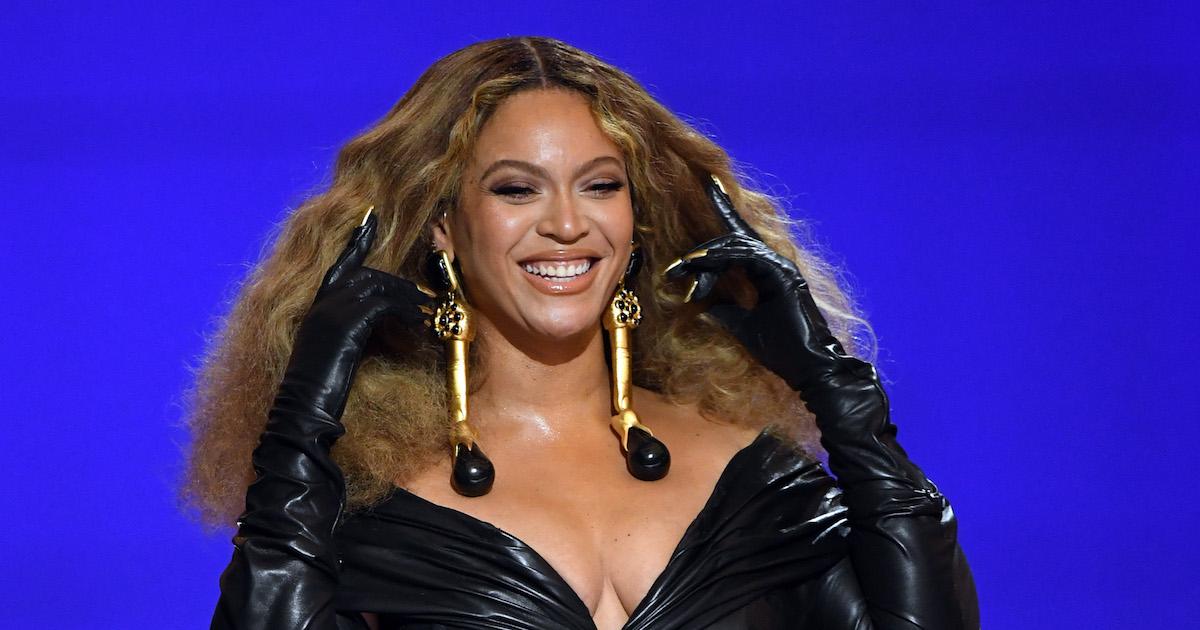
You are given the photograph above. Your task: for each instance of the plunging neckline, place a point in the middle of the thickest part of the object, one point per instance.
(553, 574)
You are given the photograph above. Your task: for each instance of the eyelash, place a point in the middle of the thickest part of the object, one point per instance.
(521, 191)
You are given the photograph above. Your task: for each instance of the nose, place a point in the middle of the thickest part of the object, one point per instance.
(562, 219)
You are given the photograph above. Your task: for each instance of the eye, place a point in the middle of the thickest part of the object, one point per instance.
(513, 191)
(605, 188)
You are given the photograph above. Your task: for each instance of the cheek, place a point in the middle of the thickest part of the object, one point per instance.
(618, 229)
(487, 229)
(489, 236)
(495, 231)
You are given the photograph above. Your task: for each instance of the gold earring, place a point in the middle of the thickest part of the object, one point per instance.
(646, 457)
(473, 473)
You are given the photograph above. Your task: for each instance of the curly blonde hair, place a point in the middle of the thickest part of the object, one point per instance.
(409, 166)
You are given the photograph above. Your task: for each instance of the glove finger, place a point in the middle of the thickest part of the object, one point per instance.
(723, 207)
(355, 253)
(718, 259)
(381, 307)
(394, 287)
(679, 268)
(707, 262)
(702, 285)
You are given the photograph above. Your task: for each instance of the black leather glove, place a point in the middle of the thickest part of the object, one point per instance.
(903, 541)
(284, 570)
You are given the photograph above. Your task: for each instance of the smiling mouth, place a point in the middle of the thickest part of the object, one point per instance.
(559, 270)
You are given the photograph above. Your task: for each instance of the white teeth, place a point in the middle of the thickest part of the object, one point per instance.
(559, 271)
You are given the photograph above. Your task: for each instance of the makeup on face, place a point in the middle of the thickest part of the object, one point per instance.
(545, 217)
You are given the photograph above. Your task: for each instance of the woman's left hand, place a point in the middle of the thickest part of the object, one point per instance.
(903, 533)
(785, 331)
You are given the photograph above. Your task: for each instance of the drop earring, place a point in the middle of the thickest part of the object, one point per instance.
(646, 457)
(473, 473)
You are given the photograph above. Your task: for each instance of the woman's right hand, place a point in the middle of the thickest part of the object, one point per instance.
(351, 301)
(284, 571)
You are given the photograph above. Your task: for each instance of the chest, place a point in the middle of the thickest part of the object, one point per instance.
(607, 535)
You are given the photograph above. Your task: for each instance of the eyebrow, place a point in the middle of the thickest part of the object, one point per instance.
(543, 173)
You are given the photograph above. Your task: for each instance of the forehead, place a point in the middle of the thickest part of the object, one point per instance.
(544, 127)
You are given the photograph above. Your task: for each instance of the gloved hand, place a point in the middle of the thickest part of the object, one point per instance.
(284, 570)
(787, 334)
(907, 566)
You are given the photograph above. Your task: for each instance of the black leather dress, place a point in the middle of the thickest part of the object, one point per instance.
(768, 550)
(779, 544)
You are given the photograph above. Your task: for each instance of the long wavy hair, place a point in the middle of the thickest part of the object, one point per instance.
(409, 166)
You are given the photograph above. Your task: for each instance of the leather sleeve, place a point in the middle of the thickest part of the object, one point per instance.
(908, 570)
(284, 570)
(842, 603)
(285, 567)
(907, 565)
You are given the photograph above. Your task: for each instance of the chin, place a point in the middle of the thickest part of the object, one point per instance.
(563, 331)
(565, 325)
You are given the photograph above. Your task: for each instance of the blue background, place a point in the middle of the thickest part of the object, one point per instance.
(1011, 187)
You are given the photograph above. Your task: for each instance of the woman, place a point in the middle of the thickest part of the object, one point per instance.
(554, 206)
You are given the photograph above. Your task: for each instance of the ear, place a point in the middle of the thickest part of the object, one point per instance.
(442, 238)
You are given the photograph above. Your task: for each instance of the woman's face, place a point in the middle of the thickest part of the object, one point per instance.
(542, 233)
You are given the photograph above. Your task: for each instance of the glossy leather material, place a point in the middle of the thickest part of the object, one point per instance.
(284, 570)
(779, 544)
(902, 533)
(772, 548)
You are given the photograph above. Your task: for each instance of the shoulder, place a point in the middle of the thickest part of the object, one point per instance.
(753, 463)
(756, 466)
(682, 426)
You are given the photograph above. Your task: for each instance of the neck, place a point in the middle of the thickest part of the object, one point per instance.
(538, 389)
